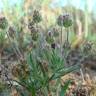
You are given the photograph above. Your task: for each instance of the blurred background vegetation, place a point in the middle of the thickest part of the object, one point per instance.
(83, 13)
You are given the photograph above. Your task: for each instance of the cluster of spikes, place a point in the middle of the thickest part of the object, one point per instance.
(64, 20)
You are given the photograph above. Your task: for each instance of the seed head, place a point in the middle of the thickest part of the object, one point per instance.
(36, 16)
(60, 20)
(67, 21)
(11, 31)
(3, 23)
(49, 39)
(35, 36)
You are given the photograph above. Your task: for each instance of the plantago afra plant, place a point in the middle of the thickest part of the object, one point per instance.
(64, 20)
(44, 63)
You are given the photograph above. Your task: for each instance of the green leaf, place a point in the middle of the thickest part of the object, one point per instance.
(64, 88)
(64, 71)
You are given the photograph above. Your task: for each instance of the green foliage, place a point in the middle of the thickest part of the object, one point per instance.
(2, 86)
(63, 71)
(2, 37)
(64, 88)
(2, 40)
(44, 65)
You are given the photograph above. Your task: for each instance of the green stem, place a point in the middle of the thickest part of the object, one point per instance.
(0, 57)
(61, 41)
(67, 36)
